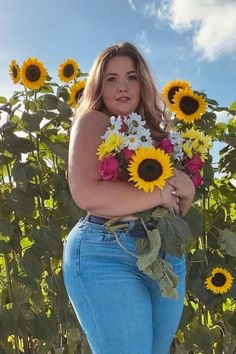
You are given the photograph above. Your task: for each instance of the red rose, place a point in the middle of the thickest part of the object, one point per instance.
(127, 154)
(193, 165)
(109, 168)
(166, 145)
(124, 127)
(197, 179)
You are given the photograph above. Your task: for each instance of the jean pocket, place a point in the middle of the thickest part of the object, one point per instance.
(178, 264)
(96, 234)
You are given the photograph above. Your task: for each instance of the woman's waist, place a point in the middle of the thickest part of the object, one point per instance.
(105, 218)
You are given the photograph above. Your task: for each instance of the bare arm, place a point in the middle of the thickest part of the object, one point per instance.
(107, 198)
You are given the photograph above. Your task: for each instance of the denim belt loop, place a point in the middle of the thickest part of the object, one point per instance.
(131, 225)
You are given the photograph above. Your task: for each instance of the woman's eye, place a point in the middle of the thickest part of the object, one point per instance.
(132, 77)
(111, 78)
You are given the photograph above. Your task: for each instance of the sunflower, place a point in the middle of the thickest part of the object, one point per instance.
(110, 145)
(33, 73)
(14, 71)
(68, 70)
(76, 91)
(171, 88)
(220, 281)
(188, 106)
(150, 167)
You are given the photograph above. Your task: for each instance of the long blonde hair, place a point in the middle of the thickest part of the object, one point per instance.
(151, 106)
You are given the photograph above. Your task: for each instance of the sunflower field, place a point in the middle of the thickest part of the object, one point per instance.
(37, 212)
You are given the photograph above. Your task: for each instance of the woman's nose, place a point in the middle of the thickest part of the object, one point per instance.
(122, 87)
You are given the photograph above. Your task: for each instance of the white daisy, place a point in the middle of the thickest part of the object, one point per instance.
(114, 128)
(144, 135)
(132, 142)
(134, 121)
(177, 141)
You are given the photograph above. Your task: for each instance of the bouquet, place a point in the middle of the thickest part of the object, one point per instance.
(127, 152)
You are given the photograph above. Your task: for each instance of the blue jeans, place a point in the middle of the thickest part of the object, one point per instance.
(119, 308)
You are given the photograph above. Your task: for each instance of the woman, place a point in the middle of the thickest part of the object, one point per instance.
(119, 308)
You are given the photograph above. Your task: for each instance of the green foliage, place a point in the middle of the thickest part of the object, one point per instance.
(37, 212)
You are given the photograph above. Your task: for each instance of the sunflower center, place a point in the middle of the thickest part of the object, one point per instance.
(14, 72)
(188, 105)
(78, 94)
(149, 170)
(68, 70)
(33, 73)
(172, 92)
(218, 279)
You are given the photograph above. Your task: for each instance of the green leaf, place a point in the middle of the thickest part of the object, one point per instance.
(168, 280)
(21, 292)
(32, 121)
(156, 268)
(233, 106)
(195, 222)
(8, 321)
(50, 102)
(4, 247)
(64, 109)
(213, 102)
(45, 241)
(207, 122)
(21, 203)
(59, 149)
(46, 89)
(17, 145)
(175, 234)
(19, 171)
(227, 241)
(199, 336)
(187, 316)
(6, 227)
(155, 244)
(3, 100)
(159, 212)
(31, 264)
(199, 290)
(41, 327)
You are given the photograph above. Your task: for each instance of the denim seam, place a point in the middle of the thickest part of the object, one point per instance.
(78, 247)
(82, 283)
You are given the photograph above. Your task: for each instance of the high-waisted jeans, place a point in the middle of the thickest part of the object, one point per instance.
(119, 308)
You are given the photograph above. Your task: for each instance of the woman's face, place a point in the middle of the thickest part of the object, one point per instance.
(121, 86)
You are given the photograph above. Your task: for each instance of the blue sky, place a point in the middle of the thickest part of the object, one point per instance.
(180, 39)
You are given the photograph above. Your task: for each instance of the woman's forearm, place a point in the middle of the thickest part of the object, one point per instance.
(117, 198)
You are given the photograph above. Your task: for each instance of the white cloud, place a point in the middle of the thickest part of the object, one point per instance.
(143, 43)
(212, 22)
(132, 5)
(150, 9)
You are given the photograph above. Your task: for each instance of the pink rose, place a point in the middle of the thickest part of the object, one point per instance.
(193, 165)
(166, 145)
(197, 179)
(127, 154)
(109, 168)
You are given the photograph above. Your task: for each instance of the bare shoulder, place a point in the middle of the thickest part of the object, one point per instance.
(86, 135)
(92, 120)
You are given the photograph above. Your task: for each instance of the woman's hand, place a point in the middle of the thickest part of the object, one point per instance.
(169, 200)
(183, 188)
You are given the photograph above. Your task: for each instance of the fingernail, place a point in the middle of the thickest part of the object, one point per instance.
(173, 192)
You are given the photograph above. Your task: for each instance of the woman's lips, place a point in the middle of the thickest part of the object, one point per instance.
(123, 99)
